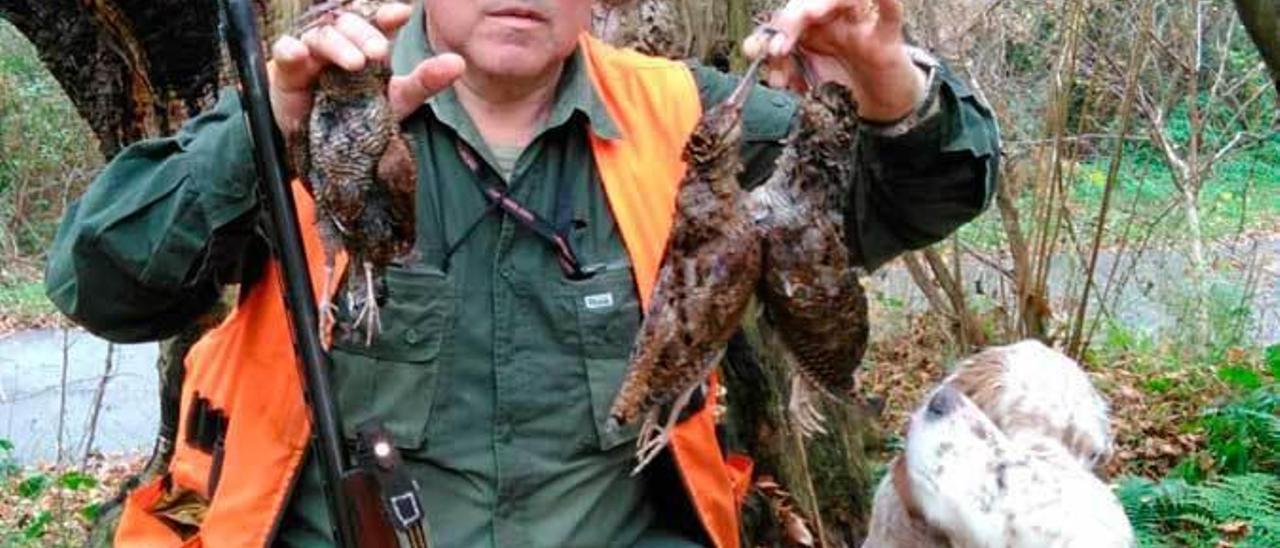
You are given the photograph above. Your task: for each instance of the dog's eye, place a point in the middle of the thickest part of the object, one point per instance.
(943, 402)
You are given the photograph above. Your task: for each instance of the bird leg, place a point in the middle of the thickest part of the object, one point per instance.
(803, 407)
(369, 313)
(654, 438)
(327, 308)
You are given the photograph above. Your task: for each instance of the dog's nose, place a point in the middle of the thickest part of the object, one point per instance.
(944, 401)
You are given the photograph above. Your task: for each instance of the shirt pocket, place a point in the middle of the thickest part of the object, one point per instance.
(393, 380)
(608, 317)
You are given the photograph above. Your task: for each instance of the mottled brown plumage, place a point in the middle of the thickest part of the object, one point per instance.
(363, 178)
(709, 270)
(813, 300)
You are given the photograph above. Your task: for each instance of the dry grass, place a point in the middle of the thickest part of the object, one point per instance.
(61, 512)
(1156, 398)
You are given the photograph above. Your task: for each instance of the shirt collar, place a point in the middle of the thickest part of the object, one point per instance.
(575, 92)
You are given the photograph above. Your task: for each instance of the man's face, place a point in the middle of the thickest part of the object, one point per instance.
(515, 38)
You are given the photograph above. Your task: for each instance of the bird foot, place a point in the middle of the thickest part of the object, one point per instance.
(328, 319)
(653, 438)
(370, 314)
(803, 408)
(327, 308)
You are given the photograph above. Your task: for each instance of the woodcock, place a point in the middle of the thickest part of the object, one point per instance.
(708, 274)
(363, 178)
(813, 301)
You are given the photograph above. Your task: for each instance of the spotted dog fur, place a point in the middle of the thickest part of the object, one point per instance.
(1032, 394)
(1030, 390)
(979, 488)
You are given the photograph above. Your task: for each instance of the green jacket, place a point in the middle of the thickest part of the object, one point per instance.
(493, 376)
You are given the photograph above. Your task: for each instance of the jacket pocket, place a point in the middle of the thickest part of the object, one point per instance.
(608, 316)
(393, 380)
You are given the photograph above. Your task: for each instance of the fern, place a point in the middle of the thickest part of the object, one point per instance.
(1174, 512)
(1244, 435)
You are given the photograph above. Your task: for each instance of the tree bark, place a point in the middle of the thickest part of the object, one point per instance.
(133, 68)
(1262, 19)
(828, 476)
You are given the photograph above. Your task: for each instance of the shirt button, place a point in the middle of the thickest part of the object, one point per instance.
(781, 102)
(412, 336)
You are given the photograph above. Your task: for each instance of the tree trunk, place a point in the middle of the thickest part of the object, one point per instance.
(1262, 19)
(1199, 265)
(828, 476)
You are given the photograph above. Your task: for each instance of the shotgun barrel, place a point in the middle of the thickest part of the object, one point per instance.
(240, 31)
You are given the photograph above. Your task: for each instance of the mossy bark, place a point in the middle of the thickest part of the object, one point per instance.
(828, 476)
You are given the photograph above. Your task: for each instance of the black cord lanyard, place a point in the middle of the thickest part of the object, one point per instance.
(554, 234)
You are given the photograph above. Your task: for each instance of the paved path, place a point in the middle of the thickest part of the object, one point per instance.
(30, 377)
(31, 362)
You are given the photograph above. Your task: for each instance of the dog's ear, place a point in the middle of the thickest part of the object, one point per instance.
(981, 379)
(902, 486)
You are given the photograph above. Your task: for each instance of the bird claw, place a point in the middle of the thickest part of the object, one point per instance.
(328, 319)
(652, 440)
(369, 315)
(371, 318)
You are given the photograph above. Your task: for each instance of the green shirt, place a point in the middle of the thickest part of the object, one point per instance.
(494, 375)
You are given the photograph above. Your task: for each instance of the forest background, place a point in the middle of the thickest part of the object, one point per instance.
(1137, 228)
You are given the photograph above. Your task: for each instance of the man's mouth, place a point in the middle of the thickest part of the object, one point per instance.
(518, 15)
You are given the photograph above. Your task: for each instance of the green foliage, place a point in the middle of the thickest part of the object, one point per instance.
(33, 486)
(77, 481)
(91, 511)
(1243, 509)
(1240, 377)
(1272, 357)
(1244, 435)
(36, 528)
(49, 151)
(8, 465)
(24, 299)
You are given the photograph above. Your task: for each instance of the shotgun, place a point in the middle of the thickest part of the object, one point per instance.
(369, 502)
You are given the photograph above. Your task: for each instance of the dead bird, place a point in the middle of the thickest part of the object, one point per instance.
(709, 271)
(814, 304)
(359, 168)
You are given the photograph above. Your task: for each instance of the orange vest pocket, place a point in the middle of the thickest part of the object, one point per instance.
(161, 515)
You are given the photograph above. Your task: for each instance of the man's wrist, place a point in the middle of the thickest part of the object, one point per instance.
(892, 92)
(924, 108)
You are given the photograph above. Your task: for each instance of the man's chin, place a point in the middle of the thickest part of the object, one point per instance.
(514, 65)
(512, 57)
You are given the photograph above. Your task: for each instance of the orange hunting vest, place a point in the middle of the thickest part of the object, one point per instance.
(247, 370)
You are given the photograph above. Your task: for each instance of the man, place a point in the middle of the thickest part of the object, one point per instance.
(494, 370)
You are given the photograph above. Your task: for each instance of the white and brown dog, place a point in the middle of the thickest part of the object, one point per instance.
(1041, 405)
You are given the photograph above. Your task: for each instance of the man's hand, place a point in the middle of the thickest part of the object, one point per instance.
(858, 43)
(349, 42)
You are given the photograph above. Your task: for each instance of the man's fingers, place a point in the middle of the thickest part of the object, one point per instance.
(327, 43)
(754, 45)
(390, 17)
(797, 16)
(292, 66)
(890, 16)
(408, 92)
(368, 39)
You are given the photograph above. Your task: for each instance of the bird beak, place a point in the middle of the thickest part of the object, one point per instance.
(750, 79)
